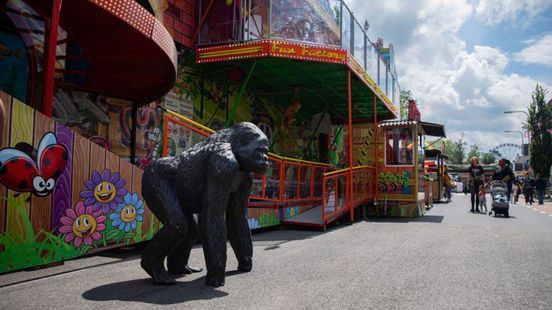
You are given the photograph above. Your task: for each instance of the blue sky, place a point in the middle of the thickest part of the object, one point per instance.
(467, 61)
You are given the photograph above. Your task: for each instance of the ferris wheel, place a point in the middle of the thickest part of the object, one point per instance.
(507, 150)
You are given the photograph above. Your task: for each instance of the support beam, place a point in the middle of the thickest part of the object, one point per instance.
(240, 95)
(50, 57)
(376, 159)
(350, 151)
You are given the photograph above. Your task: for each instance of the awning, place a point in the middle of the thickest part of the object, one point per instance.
(281, 67)
(432, 129)
(130, 54)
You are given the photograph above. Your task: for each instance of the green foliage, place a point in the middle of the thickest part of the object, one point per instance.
(455, 150)
(474, 152)
(488, 158)
(403, 103)
(539, 123)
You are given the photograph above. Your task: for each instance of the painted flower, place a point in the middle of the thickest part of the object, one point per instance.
(128, 213)
(82, 224)
(104, 191)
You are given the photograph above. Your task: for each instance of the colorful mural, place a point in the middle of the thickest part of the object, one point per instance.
(62, 195)
(395, 183)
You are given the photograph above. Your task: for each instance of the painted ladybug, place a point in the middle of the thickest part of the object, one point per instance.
(23, 169)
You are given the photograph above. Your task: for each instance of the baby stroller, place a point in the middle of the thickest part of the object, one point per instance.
(499, 195)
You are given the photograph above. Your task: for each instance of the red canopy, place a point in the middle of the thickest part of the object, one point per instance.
(130, 54)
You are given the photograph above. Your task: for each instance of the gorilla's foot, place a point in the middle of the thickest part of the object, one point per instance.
(215, 280)
(245, 264)
(158, 274)
(186, 269)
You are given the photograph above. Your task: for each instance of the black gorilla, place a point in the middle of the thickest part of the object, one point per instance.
(211, 179)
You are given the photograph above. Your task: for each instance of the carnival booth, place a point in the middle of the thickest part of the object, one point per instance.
(402, 185)
(434, 163)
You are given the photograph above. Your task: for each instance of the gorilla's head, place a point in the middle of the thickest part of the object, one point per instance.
(249, 144)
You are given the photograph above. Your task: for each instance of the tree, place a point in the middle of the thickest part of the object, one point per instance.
(488, 158)
(539, 123)
(457, 151)
(405, 96)
(474, 152)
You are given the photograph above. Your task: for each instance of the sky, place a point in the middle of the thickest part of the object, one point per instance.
(466, 62)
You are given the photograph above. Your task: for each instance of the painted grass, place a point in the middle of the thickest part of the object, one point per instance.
(29, 248)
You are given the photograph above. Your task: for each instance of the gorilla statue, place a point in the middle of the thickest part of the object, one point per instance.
(212, 179)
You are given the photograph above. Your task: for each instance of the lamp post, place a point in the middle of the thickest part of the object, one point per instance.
(521, 133)
(526, 114)
(512, 112)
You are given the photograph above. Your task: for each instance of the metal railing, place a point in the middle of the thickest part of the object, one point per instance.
(287, 180)
(324, 22)
(337, 199)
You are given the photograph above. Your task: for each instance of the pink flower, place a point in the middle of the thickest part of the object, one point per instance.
(82, 223)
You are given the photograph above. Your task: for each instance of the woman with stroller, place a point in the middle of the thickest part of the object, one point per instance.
(476, 178)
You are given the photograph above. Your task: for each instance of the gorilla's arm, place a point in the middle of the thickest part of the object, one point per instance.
(239, 233)
(222, 170)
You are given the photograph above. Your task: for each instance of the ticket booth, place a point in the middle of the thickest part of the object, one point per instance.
(402, 182)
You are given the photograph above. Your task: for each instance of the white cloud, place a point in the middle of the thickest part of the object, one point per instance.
(494, 12)
(537, 52)
(468, 92)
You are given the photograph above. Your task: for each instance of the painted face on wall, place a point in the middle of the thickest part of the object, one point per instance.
(154, 135)
(105, 192)
(84, 225)
(128, 214)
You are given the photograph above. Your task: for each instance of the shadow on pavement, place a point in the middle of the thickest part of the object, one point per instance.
(144, 290)
(424, 219)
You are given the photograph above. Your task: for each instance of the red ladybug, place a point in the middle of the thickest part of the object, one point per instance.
(23, 172)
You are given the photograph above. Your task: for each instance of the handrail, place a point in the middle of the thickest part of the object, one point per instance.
(184, 118)
(363, 167)
(205, 128)
(327, 174)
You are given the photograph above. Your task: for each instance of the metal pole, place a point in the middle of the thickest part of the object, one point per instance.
(50, 57)
(376, 159)
(350, 119)
(133, 133)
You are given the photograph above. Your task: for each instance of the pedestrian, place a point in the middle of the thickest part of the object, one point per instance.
(476, 175)
(505, 174)
(528, 188)
(449, 183)
(482, 199)
(519, 186)
(540, 186)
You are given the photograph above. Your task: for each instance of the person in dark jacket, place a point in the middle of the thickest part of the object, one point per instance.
(505, 174)
(528, 188)
(540, 186)
(476, 179)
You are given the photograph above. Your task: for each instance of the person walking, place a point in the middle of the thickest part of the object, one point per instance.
(505, 174)
(476, 178)
(482, 199)
(540, 186)
(449, 183)
(519, 185)
(528, 189)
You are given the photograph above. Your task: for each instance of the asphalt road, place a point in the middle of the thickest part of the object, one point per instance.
(446, 259)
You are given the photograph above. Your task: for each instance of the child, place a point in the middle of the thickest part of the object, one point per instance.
(482, 201)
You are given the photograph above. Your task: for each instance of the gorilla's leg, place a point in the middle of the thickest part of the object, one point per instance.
(239, 233)
(213, 232)
(164, 203)
(177, 261)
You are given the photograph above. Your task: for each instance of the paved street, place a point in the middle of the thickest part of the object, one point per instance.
(446, 259)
